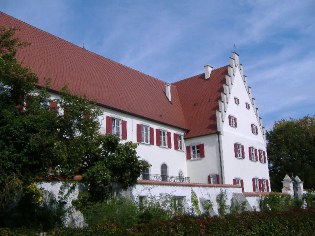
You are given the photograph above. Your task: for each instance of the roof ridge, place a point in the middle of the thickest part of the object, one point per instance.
(193, 76)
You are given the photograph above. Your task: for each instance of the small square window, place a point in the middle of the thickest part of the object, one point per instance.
(180, 142)
(195, 151)
(254, 129)
(239, 151)
(233, 121)
(247, 105)
(253, 154)
(256, 185)
(236, 100)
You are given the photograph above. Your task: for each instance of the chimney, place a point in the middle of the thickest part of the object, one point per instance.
(168, 92)
(208, 70)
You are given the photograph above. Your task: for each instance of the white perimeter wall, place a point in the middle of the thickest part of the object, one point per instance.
(241, 168)
(199, 169)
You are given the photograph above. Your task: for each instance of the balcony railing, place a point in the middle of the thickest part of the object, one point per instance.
(166, 178)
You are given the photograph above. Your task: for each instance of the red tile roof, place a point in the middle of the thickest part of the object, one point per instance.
(115, 86)
(199, 98)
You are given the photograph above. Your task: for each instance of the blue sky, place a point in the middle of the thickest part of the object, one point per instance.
(173, 40)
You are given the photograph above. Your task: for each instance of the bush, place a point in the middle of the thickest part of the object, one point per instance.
(277, 202)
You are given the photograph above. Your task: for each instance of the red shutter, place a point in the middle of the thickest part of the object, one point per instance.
(242, 184)
(243, 152)
(169, 140)
(264, 154)
(267, 182)
(235, 121)
(235, 149)
(218, 179)
(158, 137)
(176, 141)
(250, 153)
(256, 155)
(256, 129)
(188, 154)
(124, 130)
(260, 156)
(254, 186)
(53, 105)
(138, 133)
(151, 136)
(209, 179)
(234, 181)
(260, 182)
(108, 125)
(230, 120)
(202, 150)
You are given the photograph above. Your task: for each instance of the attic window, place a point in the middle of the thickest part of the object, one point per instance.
(247, 105)
(236, 100)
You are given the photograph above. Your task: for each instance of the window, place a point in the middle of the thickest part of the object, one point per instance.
(163, 138)
(252, 154)
(146, 173)
(232, 121)
(164, 172)
(236, 100)
(145, 134)
(181, 176)
(247, 105)
(214, 179)
(117, 127)
(240, 182)
(264, 185)
(178, 141)
(178, 204)
(255, 184)
(195, 151)
(254, 129)
(239, 151)
(142, 201)
(262, 156)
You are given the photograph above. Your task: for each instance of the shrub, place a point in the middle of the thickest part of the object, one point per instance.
(276, 202)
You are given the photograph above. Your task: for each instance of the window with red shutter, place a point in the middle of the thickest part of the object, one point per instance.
(250, 153)
(138, 133)
(124, 130)
(169, 140)
(202, 150)
(260, 181)
(235, 150)
(176, 141)
(234, 182)
(108, 125)
(267, 183)
(151, 136)
(264, 156)
(242, 185)
(243, 152)
(218, 179)
(158, 137)
(188, 154)
(254, 184)
(209, 179)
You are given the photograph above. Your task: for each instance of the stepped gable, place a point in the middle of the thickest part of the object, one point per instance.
(99, 79)
(200, 100)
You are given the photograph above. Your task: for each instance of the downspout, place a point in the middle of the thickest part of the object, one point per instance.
(220, 157)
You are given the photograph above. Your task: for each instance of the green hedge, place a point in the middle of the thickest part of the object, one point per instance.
(293, 222)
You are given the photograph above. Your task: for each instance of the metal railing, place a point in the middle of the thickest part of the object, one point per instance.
(166, 178)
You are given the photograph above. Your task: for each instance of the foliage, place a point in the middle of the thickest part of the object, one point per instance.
(237, 207)
(278, 202)
(195, 202)
(221, 200)
(207, 206)
(291, 150)
(27, 213)
(37, 142)
(309, 198)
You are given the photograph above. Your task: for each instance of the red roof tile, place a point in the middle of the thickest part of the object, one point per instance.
(199, 99)
(108, 83)
(113, 85)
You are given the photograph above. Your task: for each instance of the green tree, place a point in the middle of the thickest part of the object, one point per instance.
(39, 142)
(291, 150)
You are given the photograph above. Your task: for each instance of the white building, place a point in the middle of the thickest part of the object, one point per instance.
(203, 130)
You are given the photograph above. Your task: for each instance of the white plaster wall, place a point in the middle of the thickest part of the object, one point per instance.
(154, 192)
(154, 155)
(254, 202)
(242, 168)
(199, 169)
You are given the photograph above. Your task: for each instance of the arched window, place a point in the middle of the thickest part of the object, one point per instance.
(164, 172)
(181, 176)
(146, 173)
